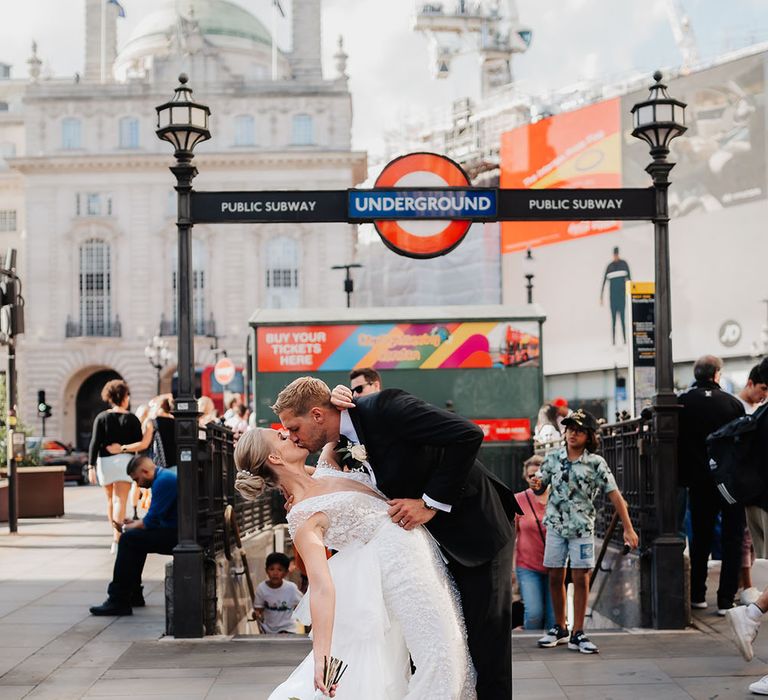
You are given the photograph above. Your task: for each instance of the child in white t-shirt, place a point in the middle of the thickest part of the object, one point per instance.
(276, 598)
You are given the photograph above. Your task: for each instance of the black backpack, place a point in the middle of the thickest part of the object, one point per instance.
(738, 459)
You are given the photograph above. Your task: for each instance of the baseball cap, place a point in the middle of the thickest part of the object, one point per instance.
(581, 419)
(559, 401)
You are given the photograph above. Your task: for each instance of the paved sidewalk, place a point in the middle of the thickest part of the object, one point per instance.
(700, 662)
(51, 648)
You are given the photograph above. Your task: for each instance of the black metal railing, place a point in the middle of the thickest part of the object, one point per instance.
(201, 326)
(627, 446)
(216, 490)
(94, 329)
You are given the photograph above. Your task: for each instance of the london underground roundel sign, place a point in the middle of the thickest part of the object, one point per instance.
(419, 238)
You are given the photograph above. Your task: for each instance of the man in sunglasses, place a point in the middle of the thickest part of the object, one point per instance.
(364, 381)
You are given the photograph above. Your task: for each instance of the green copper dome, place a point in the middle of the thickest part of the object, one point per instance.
(215, 17)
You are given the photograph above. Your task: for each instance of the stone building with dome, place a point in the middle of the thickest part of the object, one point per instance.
(87, 198)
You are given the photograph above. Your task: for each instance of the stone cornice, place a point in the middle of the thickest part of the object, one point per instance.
(284, 160)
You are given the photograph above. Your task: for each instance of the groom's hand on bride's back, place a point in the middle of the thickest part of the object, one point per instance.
(341, 397)
(409, 513)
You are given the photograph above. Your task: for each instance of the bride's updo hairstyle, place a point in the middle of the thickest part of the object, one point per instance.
(254, 473)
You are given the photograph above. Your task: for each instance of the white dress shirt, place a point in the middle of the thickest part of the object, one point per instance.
(347, 429)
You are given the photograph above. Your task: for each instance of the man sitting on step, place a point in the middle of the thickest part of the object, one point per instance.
(156, 532)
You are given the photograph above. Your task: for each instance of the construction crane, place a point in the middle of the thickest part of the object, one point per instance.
(683, 33)
(489, 27)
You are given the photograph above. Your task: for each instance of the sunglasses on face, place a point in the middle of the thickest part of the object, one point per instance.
(359, 389)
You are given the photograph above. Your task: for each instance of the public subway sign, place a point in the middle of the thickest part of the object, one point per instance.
(422, 205)
(261, 207)
(577, 204)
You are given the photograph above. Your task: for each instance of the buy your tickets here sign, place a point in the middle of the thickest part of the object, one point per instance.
(394, 346)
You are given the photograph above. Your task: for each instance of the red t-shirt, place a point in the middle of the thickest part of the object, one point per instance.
(529, 545)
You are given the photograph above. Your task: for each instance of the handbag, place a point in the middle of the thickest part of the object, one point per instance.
(158, 451)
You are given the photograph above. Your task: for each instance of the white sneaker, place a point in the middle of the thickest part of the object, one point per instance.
(760, 687)
(699, 606)
(744, 633)
(749, 595)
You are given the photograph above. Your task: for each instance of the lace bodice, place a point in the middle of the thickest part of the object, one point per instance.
(354, 516)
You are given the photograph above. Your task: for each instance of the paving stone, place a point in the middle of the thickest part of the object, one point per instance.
(657, 691)
(166, 687)
(592, 670)
(14, 692)
(537, 689)
(720, 688)
(731, 665)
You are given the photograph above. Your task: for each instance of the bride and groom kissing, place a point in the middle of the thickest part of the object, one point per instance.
(423, 536)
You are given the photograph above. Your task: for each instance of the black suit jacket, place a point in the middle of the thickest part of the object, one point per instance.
(414, 449)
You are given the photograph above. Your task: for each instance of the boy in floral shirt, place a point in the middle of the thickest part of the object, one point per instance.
(575, 476)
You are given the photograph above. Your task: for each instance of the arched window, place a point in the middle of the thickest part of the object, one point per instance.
(129, 132)
(199, 255)
(95, 288)
(282, 273)
(303, 130)
(70, 133)
(245, 130)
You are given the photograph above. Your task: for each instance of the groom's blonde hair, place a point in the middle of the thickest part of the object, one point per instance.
(301, 395)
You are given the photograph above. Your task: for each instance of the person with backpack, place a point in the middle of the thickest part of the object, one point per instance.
(705, 408)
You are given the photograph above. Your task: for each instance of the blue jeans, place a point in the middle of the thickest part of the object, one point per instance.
(534, 589)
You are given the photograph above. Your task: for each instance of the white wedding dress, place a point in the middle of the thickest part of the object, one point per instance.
(394, 597)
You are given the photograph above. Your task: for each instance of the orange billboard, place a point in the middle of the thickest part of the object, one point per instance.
(579, 149)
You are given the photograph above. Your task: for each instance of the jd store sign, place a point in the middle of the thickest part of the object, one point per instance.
(422, 205)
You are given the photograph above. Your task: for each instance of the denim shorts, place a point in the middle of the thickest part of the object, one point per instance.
(580, 550)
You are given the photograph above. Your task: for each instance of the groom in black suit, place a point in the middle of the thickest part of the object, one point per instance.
(424, 460)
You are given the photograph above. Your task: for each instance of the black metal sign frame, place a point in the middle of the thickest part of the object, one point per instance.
(315, 206)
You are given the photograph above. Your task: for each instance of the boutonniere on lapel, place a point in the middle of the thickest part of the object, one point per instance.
(351, 457)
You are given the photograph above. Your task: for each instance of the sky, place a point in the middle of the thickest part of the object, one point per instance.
(389, 67)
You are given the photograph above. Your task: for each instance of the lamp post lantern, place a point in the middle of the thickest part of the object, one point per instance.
(158, 354)
(184, 123)
(657, 121)
(529, 267)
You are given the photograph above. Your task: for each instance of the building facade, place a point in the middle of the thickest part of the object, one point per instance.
(87, 198)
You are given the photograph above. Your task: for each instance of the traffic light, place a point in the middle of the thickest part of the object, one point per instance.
(43, 409)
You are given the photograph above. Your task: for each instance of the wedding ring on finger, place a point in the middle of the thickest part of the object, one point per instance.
(401, 523)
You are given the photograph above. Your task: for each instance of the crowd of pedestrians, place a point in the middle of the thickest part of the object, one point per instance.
(554, 534)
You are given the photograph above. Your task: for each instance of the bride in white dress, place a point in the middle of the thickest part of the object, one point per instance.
(385, 594)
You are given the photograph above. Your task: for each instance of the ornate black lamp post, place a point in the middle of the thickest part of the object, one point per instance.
(529, 268)
(657, 121)
(158, 354)
(184, 124)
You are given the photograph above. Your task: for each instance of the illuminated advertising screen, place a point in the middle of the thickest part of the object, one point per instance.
(579, 149)
(383, 346)
(720, 160)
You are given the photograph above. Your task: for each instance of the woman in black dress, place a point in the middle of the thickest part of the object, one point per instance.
(115, 425)
(159, 435)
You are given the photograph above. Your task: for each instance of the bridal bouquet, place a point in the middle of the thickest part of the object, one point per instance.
(333, 670)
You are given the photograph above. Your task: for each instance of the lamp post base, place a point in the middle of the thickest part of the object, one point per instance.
(671, 608)
(188, 592)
